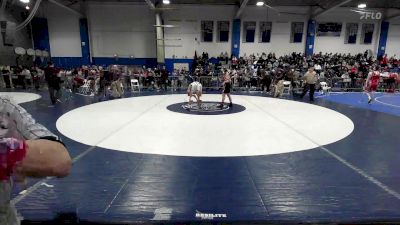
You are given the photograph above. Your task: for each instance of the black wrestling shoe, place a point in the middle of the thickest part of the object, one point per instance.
(230, 104)
(369, 101)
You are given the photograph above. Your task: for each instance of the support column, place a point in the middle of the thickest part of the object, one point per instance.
(85, 45)
(160, 40)
(235, 50)
(383, 38)
(309, 50)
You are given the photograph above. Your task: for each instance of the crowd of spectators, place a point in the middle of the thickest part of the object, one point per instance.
(341, 70)
(253, 72)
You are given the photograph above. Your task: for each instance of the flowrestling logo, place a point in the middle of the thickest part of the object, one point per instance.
(368, 15)
(209, 216)
(371, 15)
(205, 107)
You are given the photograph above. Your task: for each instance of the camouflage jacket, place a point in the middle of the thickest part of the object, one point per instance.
(27, 128)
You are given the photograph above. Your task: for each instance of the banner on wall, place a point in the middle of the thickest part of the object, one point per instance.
(181, 66)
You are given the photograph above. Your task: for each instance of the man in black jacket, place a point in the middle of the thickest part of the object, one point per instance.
(53, 82)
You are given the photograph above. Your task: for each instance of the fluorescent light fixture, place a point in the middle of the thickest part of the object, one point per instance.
(166, 2)
(27, 7)
(169, 39)
(260, 3)
(24, 1)
(362, 6)
(166, 26)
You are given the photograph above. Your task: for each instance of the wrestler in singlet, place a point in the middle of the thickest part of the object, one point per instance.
(371, 84)
(373, 81)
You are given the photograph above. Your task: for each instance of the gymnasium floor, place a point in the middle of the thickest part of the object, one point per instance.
(144, 158)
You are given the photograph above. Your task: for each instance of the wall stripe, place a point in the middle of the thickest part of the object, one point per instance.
(67, 62)
(169, 63)
(75, 62)
(105, 61)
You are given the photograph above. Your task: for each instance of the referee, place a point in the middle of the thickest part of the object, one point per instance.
(310, 79)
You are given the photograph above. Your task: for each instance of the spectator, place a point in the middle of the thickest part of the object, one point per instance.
(53, 83)
(117, 88)
(384, 61)
(42, 154)
(6, 74)
(266, 80)
(25, 75)
(163, 78)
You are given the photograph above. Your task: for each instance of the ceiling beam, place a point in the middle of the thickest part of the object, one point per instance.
(330, 8)
(56, 2)
(393, 16)
(241, 9)
(151, 4)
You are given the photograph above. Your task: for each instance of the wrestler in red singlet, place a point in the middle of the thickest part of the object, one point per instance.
(371, 84)
(373, 81)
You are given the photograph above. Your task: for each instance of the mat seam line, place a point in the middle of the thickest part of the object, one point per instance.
(123, 186)
(340, 159)
(37, 185)
(255, 185)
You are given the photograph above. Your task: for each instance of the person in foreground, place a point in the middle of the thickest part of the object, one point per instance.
(27, 149)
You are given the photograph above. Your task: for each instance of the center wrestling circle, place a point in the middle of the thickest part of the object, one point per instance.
(205, 108)
(151, 125)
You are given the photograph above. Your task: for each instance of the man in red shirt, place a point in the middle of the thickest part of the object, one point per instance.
(384, 61)
(53, 82)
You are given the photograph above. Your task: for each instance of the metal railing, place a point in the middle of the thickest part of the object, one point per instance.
(213, 82)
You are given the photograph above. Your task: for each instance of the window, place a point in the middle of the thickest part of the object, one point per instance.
(207, 29)
(223, 31)
(297, 32)
(367, 33)
(265, 32)
(249, 31)
(329, 29)
(351, 33)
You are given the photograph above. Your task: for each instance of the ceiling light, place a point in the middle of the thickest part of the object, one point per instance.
(27, 7)
(166, 2)
(362, 5)
(166, 26)
(24, 1)
(260, 3)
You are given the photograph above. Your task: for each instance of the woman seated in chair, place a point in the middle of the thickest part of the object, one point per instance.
(117, 89)
(78, 81)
